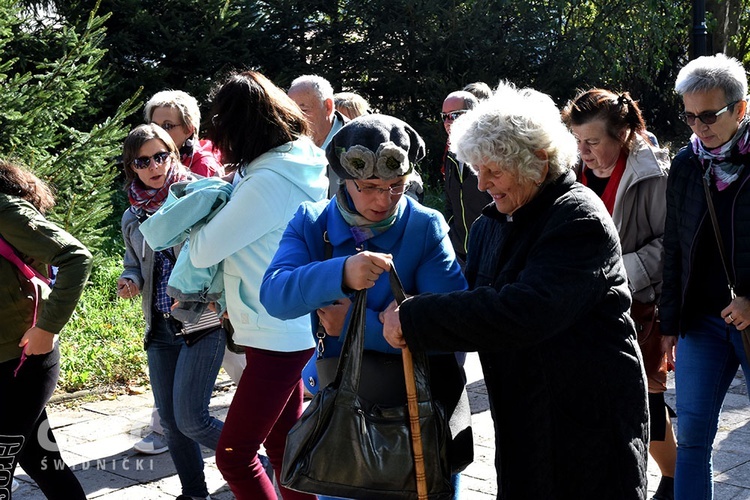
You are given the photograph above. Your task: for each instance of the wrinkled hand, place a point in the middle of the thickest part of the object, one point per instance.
(669, 346)
(392, 327)
(737, 313)
(333, 317)
(362, 270)
(127, 289)
(392, 305)
(37, 341)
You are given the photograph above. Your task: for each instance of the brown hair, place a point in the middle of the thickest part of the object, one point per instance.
(139, 136)
(617, 112)
(15, 180)
(249, 116)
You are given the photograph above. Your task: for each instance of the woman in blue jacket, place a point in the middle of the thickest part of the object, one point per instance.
(332, 248)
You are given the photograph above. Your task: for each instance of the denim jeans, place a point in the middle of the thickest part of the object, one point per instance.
(706, 361)
(182, 379)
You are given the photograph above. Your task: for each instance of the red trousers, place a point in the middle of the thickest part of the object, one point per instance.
(268, 402)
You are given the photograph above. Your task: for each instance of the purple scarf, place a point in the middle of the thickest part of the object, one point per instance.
(719, 168)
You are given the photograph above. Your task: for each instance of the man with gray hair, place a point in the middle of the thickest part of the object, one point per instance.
(314, 95)
(464, 200)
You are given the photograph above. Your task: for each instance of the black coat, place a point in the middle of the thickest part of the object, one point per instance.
(464, 203)
(547, 311)
(687, 218)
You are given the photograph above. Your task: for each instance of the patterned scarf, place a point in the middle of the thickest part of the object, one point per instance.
(149, 200)
(362, 229)
(719, 167)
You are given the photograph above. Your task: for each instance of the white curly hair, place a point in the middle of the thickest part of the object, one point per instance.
(510, 129)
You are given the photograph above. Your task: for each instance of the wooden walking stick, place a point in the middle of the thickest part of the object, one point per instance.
(411, 398)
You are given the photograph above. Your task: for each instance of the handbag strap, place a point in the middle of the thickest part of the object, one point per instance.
(349, 368)
(321, 333)
(9, 253)
(717, 233)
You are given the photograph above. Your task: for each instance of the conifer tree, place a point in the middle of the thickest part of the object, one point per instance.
(48, 75)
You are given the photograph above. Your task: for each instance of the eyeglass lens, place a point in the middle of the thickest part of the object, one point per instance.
(393, 190)
(145, 161)
(166, 126)
(708, 117)
(452, 115)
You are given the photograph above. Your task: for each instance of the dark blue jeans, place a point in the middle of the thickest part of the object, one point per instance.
(183, 379)
(706, 361)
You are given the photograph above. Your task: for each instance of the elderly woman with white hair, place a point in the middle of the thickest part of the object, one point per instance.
(697, 303)
(547, 310)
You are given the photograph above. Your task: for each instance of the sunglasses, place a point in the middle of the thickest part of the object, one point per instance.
(707, 117)
(145, 161)
(449, 117)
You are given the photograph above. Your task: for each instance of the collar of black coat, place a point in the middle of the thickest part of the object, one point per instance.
(541, 202)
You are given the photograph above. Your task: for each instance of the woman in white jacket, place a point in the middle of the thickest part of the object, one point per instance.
(263, 138)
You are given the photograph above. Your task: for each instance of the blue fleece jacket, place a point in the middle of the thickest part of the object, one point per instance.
(300, 280)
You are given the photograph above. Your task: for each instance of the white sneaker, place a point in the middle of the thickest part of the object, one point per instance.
(14, 486)
(153, 444)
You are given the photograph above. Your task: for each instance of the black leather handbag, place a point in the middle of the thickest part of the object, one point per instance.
(345, 446)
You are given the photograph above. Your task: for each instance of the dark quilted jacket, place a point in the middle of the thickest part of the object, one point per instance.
(687, 214)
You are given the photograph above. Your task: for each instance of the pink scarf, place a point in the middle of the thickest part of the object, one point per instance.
(149, 200)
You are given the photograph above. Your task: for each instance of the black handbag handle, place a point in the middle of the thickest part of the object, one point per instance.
(349, 368)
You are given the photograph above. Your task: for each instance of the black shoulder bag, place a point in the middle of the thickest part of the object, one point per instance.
(724, 261)
(344, 446)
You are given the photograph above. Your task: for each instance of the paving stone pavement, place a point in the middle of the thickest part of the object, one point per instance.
(97, 440)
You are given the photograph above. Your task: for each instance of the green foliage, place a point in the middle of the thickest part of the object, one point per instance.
(102, 345)
(405, 56)
(49, 72)
(167, 44)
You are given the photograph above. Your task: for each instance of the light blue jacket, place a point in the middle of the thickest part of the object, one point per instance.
(245, 235)
(188, 204)
(300, 280)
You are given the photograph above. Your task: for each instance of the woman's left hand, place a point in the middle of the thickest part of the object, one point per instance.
(737, 313)
(37, 341)
(392, 327)
(333, 317)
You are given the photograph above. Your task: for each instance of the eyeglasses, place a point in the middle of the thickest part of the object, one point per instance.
(145, 161)
(449, 117)
(166, 126)
(707, 117)
(372, 190)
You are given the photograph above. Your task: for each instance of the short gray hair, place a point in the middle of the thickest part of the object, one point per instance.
(186, 104)
(509, 129)
(317, 84)
(713, 72)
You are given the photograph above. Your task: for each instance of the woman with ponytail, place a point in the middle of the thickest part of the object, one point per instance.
(622, 164)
